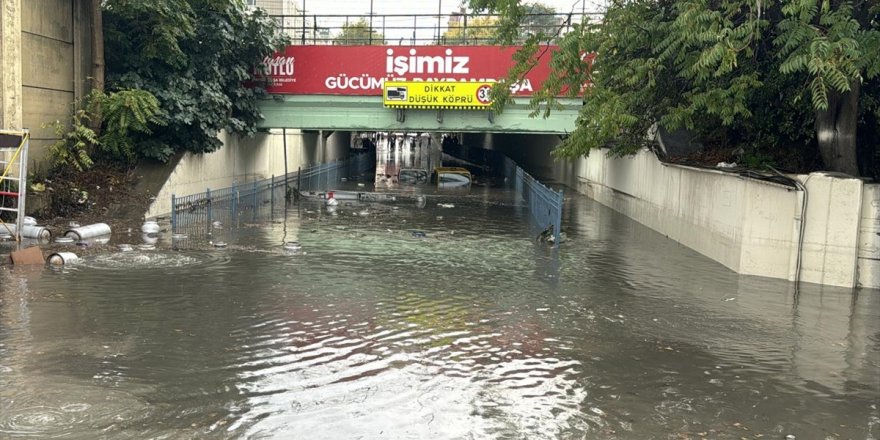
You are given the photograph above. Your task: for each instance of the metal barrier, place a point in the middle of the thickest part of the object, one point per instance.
(545, 204)
(257, 200)
(368, 28)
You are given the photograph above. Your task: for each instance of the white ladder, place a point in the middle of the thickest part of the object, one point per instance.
(13, 168)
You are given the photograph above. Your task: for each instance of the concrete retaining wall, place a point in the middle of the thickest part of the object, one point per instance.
(243, 160)
(869, 237)
(46, 58)
(751, 226)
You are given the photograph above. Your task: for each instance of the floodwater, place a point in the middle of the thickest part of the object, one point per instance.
(400, 322)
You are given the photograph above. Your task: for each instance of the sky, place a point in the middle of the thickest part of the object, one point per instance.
(397, 28)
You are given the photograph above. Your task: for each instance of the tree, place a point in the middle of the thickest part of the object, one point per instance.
(97, 45)
(97, 57)
(782, 72)
(198, 58)
(540, 20)
(479, 30)
(358, 33)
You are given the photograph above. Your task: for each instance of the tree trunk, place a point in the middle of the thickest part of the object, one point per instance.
(836, 130)
(97, 60)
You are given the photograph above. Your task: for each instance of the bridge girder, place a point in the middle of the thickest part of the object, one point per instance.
(366, 113)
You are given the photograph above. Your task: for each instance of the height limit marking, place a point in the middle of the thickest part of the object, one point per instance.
(484, 94)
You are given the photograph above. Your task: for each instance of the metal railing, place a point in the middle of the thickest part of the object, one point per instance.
(544, 204)
(418, 29)
(258, 199)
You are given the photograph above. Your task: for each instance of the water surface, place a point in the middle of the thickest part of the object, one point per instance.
(401, 322)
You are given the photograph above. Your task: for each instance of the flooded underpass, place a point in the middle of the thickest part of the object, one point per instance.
(440, 320)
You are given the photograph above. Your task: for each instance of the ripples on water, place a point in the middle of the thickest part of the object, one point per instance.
(466, 329)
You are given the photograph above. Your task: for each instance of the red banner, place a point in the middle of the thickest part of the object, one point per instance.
(362, 70)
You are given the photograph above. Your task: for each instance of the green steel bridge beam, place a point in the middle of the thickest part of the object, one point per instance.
(366, 113)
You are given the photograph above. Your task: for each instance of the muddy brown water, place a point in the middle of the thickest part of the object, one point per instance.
(401, 322)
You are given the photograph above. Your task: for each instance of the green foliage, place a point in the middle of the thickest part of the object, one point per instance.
(126, 114)
(75, 142)
(516, 23)
(733, 71)
(479, 30)
(197, 58)
(757, 160)
(358, 33)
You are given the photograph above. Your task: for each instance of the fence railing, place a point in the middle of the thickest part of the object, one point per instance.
(545, 204)
(258, 199)
(368, 28)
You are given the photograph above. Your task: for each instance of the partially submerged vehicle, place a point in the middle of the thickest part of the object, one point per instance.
(453, 177)
(412, 176)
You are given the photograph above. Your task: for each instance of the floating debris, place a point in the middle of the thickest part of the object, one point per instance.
(62, 258)
(179, 236)
(219, 244)
(29, 231)
(146, 247)
(419, 234)
(150, 227)
(64, 240)
(89, 231)
(125, 248)
(446, 205)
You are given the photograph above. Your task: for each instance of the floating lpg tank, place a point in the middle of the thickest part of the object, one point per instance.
(88, 231)
(150, 227)
(28, 231)
(62, 258)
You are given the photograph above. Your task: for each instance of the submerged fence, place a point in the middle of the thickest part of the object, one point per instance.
(545, 204)
(257, 200)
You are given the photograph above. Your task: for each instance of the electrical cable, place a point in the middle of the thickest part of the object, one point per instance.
(803, 188)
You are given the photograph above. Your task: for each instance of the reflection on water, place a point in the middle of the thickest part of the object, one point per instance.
(468, 329)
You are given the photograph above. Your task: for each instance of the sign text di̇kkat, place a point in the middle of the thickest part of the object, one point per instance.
(437, 94)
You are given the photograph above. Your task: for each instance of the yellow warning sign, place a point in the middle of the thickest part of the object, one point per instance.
(437, 94)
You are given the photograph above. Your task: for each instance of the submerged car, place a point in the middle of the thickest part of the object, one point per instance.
(412, 176)
(453, 177)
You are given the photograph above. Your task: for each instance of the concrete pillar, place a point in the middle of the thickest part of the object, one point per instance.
(322, 147)
(10, 60)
